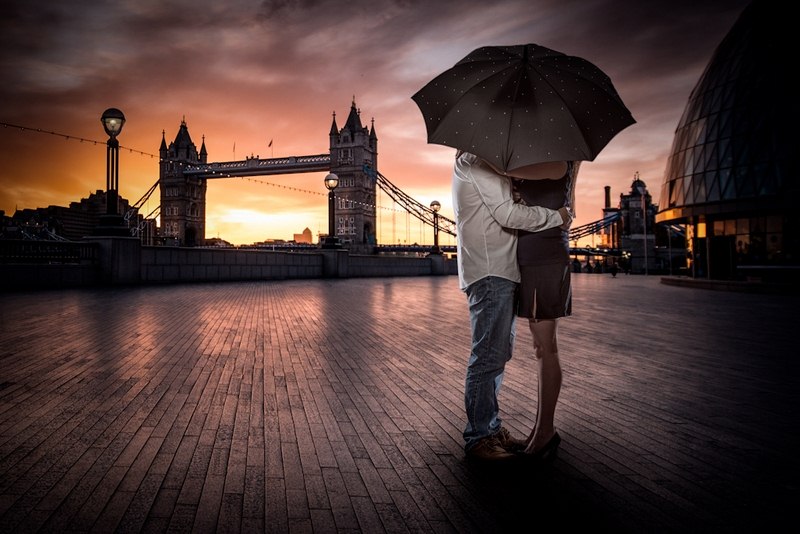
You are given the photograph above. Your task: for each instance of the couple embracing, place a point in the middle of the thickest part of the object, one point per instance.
(525, 115)
(513, 261)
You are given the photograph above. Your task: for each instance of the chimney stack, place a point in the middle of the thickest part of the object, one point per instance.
(608, 196)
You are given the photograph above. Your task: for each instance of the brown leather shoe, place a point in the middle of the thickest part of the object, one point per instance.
(509, 443)
(489, 450)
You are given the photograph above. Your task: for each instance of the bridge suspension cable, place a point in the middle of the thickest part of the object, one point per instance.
(415, 208)
(426, 215)
(134, 209)
(593, 227)
(136, 230)
(146, 196)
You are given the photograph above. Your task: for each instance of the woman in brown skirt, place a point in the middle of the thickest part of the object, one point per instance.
(545, 294)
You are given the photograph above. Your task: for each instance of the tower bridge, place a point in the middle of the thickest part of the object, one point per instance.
(184, 172)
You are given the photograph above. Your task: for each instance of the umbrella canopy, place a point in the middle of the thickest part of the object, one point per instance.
(524, 104)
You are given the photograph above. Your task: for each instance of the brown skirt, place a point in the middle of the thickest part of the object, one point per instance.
(545, 291)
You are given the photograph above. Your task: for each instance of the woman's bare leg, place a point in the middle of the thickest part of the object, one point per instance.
(545, 350)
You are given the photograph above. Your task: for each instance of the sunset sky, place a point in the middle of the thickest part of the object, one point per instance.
(243, 73)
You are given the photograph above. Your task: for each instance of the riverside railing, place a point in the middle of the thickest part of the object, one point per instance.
(23, 251)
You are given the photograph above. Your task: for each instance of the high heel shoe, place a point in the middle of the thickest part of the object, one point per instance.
(547, 452)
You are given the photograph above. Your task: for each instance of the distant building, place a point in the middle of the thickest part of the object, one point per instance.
(637, 218)
(71, 223)
(217, 242)
(610, 235)
(732, 177)
(305, 237)
(643, 245)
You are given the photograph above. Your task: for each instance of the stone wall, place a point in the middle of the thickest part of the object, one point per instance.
(123, 261)
(175, 264)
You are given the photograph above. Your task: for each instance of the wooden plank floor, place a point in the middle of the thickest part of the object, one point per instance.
(336, 406)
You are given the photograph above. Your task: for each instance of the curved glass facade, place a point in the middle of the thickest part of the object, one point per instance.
(732, 176)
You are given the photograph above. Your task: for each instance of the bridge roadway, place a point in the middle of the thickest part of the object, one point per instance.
(261, 167)
(336, 406)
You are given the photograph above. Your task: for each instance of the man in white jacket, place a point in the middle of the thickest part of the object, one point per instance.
(486, 220)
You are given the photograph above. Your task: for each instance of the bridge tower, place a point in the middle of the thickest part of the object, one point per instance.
(354, 159)
(183, 197)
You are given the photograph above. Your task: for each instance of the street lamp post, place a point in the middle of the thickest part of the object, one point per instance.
(112, 223)
(435, 207)
(669, 246)
(644, 229)
(331, 182)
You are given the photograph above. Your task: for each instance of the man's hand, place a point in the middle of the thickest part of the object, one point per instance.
(566, 216)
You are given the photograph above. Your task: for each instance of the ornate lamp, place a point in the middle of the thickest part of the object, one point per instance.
(331, 182)
(435, 207)
(112, 223)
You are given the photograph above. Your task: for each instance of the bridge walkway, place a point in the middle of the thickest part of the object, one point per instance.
(336, 406)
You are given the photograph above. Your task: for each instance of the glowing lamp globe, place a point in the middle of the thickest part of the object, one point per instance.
(331, 181)
(112, 120)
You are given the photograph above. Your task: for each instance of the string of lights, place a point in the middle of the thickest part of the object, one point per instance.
(69, 137)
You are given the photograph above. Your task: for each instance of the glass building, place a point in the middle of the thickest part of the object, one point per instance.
(732, 177)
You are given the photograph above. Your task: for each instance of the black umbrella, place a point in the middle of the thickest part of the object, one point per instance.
(524, 104)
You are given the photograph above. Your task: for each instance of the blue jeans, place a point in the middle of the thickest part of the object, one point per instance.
(491, 310)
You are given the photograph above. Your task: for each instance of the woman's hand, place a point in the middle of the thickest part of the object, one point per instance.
(566, 216)
(515, 194)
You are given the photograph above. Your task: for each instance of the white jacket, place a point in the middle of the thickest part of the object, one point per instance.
(487, 219)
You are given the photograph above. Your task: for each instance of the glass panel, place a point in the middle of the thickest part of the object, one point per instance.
(725, 154)
(775, 224)
(727, 190)
(742, 154)
(730, 227)
(742, 249)
(725, 126)
(688, 162)
(742, 226)
(687, 189)
(679, 192)
(757, 248)
(712, 188)
(769, 183)
(700, 187)
(745, 186)
(712, 157)
(700, 158)
(663, 200)
(678, 164)
(774, 247)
